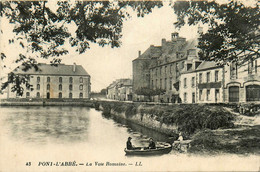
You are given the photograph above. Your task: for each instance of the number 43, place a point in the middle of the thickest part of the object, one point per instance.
(28, 164)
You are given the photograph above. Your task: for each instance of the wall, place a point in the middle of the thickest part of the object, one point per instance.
(54, 87)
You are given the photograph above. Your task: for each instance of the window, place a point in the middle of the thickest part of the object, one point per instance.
(81, 87)
(171, 83)
(200, 94)
(216, 76)
(38, 95)
(80, 95)
(70, 88)
(60, 87)
(81, 80)
(233, 70)
(252, 66)
(156, 72)
(70, 95)
(38, 79)
(60, 79)
(185, 97)
(38, 86)
(208, 77)
(71, 80)
(152, 83)
(200, 78)
(208, 94)
(156, 83)
(253, 93)
(193, 81)
(27, 94)
(160, 83)
(60, 95)
(171, 68)
(48, 79)
(48, 86)
(185, 82)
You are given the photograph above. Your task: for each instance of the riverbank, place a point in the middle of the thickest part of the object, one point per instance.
(213, 129)
(171, 119)
(46, 102)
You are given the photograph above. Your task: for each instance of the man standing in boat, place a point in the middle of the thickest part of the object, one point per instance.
(129, 145)
(151, 144)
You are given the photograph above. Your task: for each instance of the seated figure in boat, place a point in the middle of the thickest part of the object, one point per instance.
(129, 145)
(151, 144)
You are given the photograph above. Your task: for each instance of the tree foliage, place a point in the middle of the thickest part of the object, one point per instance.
(44, 31)
(233, 29)
(149, 92)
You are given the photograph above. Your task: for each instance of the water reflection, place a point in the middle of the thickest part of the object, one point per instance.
(42, 125)
(65, 125)
(141, 133)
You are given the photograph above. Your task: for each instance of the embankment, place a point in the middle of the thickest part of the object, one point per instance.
(170, 119)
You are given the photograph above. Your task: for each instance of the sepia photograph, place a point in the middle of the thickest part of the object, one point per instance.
(129, 85)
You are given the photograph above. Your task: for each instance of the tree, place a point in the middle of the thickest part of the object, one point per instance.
(149, 92)
(43, 31)
(233, 34)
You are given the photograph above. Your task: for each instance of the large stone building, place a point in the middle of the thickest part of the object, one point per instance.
(242, 82)
(159, 66)
(209, 83)
(121, 89)
(62, 81)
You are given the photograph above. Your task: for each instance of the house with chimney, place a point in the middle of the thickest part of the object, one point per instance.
(159, 67)
(54, 82)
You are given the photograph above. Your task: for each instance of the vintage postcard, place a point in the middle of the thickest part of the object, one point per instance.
(129, 85)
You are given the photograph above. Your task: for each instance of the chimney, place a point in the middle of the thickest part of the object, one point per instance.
(74, 67)
(163, 41)
(139, 53)
(175, 35)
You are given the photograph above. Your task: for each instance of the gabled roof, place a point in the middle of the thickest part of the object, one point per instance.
(206, 65)
(47, 69)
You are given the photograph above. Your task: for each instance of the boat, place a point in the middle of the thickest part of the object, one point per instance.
(162, 148)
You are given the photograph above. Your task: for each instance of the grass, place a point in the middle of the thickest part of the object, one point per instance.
(236, 141)
(188, 118)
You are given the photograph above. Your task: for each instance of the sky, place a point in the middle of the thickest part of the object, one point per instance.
(106, 64)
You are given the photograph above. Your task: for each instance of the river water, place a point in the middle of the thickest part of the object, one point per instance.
(36, 135)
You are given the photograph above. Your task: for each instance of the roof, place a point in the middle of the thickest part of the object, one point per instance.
(206, 65)
(61, 69)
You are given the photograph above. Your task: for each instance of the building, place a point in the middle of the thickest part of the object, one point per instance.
(121, 89)
(159, 66)
(202, 83)
(62, 81)
(231, 83)
(242, 82)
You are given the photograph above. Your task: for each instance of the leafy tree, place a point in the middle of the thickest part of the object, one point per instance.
(233, 33)
(149, 92)
(43, 31)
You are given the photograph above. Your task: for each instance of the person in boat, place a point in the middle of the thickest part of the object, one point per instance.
(129, 145)
(151, 144)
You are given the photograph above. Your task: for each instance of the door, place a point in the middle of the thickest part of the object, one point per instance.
(253, 93)
(48, 95)
(233, 94)
(217, 95)
(193, 97)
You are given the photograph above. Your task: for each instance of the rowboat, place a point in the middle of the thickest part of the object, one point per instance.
(162, 148)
